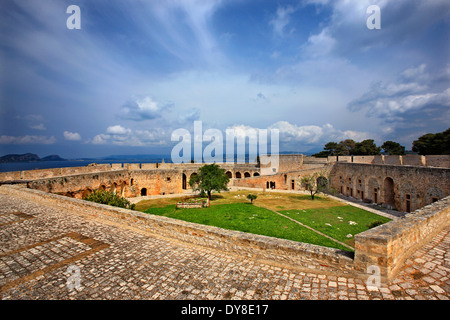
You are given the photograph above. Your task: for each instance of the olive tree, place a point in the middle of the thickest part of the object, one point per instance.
(315, 183)
(210, 178)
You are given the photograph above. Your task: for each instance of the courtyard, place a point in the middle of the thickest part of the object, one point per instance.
(323, 221)
(41, 245)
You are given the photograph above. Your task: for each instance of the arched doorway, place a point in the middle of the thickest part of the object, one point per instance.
(388, 191)
(143, 192)
(238, 175)
(85, 193)
(322, 183)
(122, 188)
(113, 188)
(184, 183)
(229, 174)
(246, 175)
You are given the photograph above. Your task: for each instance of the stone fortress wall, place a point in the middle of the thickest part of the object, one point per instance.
(415, 184)
(405, 183)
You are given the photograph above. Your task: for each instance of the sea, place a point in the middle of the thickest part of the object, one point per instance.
(21, 166)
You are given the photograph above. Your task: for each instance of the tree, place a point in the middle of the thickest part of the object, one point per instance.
(433, 143)
(366, 147)
(346, 147)
(393, 148)
(251, 197)
(343, 148)
(331, 148)
(314, 183)
(210, 178)
(349, 147)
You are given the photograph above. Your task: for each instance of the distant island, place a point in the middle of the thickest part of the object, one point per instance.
(29, 157)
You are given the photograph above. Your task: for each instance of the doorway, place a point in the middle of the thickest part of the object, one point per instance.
(388, 191)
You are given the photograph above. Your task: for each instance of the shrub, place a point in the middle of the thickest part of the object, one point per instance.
(252, 197)
(109, 198)
(374, 224)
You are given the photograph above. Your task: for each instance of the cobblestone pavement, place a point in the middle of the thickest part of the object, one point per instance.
(48, 253)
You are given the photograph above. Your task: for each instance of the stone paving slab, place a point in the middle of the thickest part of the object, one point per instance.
(48, 253)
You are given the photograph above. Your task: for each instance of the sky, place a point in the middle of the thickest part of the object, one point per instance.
(136, 71)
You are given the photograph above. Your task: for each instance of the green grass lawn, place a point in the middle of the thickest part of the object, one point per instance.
(231, 210)
(246, 218)
(337, 222)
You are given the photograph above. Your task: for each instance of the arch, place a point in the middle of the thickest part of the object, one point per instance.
(193, 174)
(113, 188)
(85, 193)
(229, 174)
(143, 192)
(184, 182)
(102, 187)
(373, 188)
(256, 174)
(238, 175)
(321, 182)
(122, 188)
(247, 175)
(388, 191)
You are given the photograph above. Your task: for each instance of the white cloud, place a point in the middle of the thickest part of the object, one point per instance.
(118, 135)
(319, 44)
(282, 19)
(117, 129)
(145, 108)
(292, 135)
(38, 127)
(394, 100)
(33, 117)
(27, 139)
(185, 30)
(313, 134)
(72, 136)
(101, 139)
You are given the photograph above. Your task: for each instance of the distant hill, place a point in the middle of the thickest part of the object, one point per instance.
(53, 157)
(29, 157)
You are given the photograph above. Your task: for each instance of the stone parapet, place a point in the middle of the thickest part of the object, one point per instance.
(389, 245)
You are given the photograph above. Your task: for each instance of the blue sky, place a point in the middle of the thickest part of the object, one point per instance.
(138, 70)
